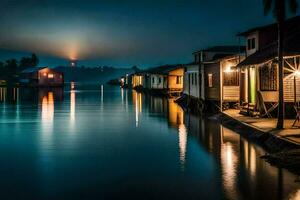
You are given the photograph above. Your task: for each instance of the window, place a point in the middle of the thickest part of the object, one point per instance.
(231, 78)
(50, 75)
(192, 79)
(178, 79)
(210, 80)
(153, 80)
(268, 77)
(159, 80)
(251, 43)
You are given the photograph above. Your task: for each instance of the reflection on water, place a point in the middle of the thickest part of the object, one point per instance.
(137, 101)
(47, 114)
(242, 170)
(229, 161)
(72, 106)
(131, 146)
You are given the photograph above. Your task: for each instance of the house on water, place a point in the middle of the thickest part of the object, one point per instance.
(218, 80)
(137, 80)
(166, 79)
(41, 77)
(259, 71)
(193, 83)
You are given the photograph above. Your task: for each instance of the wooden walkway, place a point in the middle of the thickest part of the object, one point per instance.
(289, 133)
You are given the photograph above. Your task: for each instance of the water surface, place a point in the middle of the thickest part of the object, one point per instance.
(113, 143)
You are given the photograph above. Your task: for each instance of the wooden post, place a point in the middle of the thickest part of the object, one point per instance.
(295, 96)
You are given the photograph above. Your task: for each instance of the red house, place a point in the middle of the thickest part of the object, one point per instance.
(41, 77)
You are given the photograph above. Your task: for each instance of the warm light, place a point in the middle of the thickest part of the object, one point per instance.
(72, 85)
(297, 73)
(229, 69)
(72, 106)
(182, 144)
(45, 74)
(50, 75)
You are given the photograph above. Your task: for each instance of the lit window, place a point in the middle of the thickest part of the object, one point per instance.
(50, 75)
(210, 80)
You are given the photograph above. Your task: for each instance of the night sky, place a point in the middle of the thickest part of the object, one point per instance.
(119, 33)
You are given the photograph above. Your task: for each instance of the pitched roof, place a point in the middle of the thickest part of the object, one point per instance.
(289, 23)
(291, 48)
(224, 49)
(164, 69)
(32, 69)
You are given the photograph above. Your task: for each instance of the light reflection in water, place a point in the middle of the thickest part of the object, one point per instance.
(47, 114)
(72, 107)
(229, 161)
(122, 94)
(3, 92)
(137, 102)
(235, 163)
(182, 132)
(176, 119)
(102, 97)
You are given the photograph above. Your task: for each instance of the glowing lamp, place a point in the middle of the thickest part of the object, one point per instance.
(297, 73)
(229, 69)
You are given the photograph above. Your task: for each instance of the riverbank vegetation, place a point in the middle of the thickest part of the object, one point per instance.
(11, 68)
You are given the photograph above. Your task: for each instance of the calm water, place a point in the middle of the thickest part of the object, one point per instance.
(111, 143)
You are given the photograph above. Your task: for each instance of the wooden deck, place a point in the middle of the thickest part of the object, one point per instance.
(289, 133)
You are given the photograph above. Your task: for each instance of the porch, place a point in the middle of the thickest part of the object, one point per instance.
(267, 125)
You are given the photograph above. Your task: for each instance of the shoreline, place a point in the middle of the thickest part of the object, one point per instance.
(279, 151)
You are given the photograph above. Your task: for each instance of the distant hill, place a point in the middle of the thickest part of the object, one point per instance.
(95, 74)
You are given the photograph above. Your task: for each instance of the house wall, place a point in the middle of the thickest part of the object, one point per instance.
(172, 79)
(230, 93)
(288, 84)
(146, 81)
(250, 36)
(192, 87)
(156, 84)
(212, 92)
(266, 37)
(49, 77)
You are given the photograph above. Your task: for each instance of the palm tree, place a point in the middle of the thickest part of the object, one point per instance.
(278, 8)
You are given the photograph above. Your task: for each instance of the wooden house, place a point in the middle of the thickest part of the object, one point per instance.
(219, 77)
(259, 71)
(41, 77)
(168, 78)
(192, 82)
